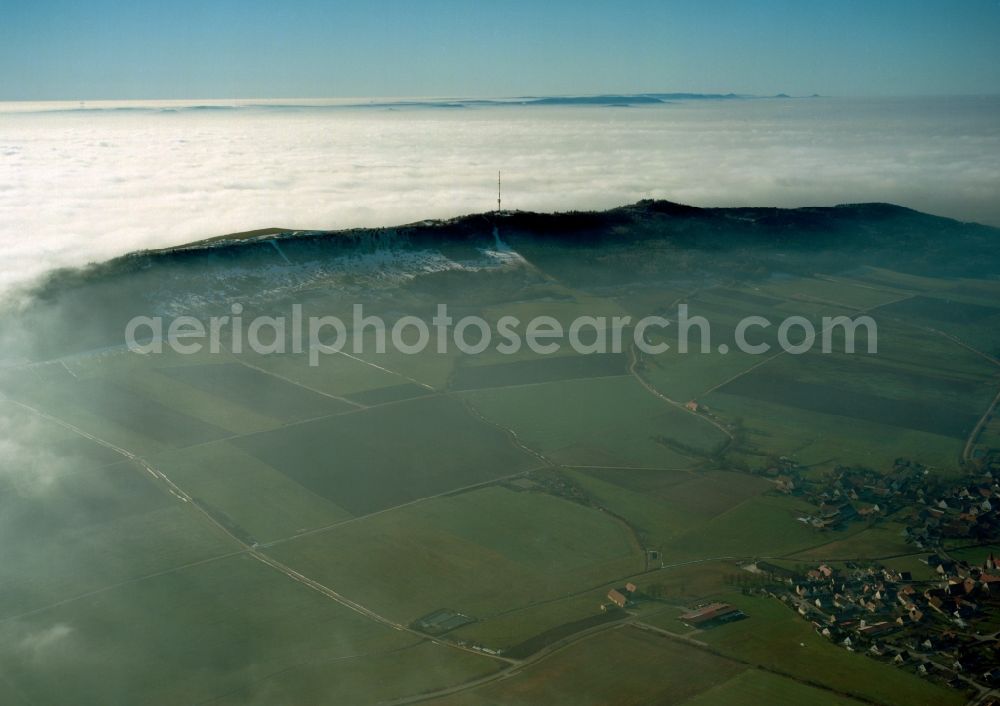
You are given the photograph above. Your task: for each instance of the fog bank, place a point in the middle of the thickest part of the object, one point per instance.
(84, 185)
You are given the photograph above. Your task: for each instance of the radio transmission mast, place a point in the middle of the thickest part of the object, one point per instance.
(498, 191)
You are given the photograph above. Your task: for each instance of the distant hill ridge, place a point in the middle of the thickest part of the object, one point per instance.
(637, 246)
(829, 238)
(766, 223)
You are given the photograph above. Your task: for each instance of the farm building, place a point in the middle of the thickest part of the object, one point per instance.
(621, 597)
(617, 597)
(712, 613)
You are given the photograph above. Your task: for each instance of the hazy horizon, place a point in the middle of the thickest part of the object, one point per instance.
(359, 99)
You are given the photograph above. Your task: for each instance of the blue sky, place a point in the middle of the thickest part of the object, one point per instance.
(52, 49)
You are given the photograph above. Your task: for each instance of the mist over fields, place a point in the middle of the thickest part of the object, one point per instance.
(85, 183)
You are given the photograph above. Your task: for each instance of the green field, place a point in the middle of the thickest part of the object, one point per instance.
(480, 553)
(247, 493)
(337, 374)
(776, 638)
(622, 666)
(250, 388)
(920, 388)
(883, 540)
(827, 440)
(754, 687)
(526, 626)
(537, 370)
(630, 666)
(228, 627)
(710, 514)
(600, 422)
(72, 523)
(381, 457)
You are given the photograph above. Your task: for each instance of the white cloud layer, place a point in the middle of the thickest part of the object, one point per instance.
(80, 186)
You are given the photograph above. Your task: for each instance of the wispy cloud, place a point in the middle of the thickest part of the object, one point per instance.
(38, 642)
(83, 186)
(28, 464)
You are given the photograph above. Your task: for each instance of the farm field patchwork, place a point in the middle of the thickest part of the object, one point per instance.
(826, 440)
(604, 421)
(189, 636)
(479, 553)
(393, 528)
(256, 390)
(620, 666)
(539, 370)
(381, 457)
(664, 511)
(75, 520)
(754, 687)
(256, 501)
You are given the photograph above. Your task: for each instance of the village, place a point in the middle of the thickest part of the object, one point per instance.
(942, 624)
(938, 619)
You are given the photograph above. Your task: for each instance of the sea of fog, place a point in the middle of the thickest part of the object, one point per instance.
(84, 182)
